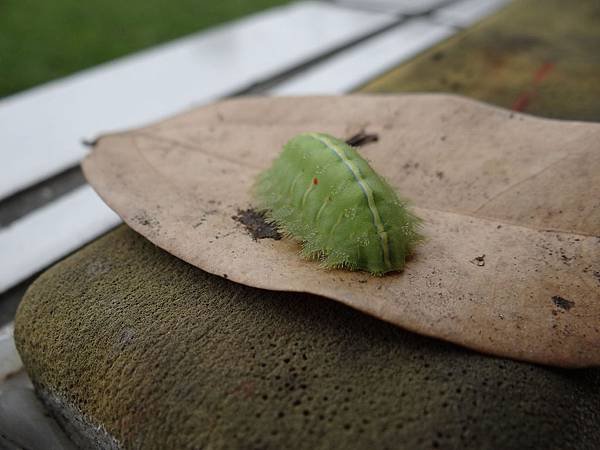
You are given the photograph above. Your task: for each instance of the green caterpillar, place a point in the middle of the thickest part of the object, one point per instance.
(321, 192)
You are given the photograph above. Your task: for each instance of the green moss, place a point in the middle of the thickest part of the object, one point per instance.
(537, 56)
(166, 356)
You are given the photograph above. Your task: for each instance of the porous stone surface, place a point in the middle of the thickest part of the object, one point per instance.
(145, 351)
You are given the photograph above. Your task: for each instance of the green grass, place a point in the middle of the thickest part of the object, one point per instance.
(44, 40)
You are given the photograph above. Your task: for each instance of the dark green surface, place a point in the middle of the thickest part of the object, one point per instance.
(166, 356)
(44, 40)
(537, 56)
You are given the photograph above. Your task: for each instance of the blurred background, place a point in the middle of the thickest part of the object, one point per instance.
(42, 41)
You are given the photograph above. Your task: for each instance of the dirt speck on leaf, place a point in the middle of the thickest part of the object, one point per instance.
(562, 303)
(143, 218)
(256, 224)
(479, 261)
(362, 138)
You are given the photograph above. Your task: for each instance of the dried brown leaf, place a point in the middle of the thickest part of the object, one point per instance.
(511, 206)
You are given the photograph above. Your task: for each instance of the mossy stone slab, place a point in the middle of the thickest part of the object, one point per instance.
(134, 348)
(537, 56)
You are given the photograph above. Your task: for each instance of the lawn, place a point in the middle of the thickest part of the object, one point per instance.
(44, 40)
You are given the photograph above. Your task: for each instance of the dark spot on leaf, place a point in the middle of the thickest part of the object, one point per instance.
(479, 261)
(143, 218)
(563, 303)
(256, 224)
(362, 138)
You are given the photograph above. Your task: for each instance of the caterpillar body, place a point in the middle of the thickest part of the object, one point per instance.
(321, 192)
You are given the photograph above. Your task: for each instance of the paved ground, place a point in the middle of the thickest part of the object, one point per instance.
(546, 64)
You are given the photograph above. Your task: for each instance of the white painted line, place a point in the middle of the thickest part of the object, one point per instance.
(397, 7)
(10, 361)
(359, 64)
(35, 241)
(466, 12)
(41, 129)
(24, 421)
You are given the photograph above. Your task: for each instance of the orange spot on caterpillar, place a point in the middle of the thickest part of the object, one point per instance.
(315, 181)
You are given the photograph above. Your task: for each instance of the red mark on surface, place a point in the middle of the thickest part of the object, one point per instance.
(525, 97)
(315, 181)
(522, 101)
(543, 72)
